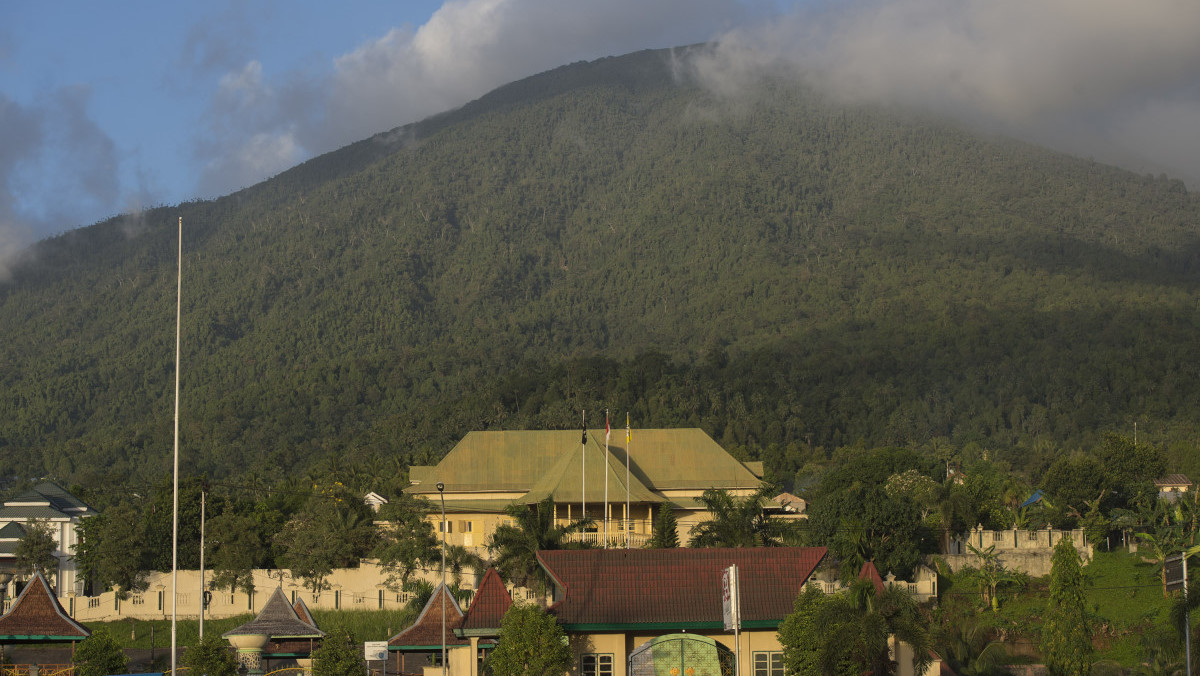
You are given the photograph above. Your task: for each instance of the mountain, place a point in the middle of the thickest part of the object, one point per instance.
(786, 272)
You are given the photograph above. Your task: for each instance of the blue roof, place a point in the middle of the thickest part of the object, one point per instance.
(1036, 497)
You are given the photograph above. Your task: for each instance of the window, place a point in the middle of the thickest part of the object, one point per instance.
(768, 664)
(447, 525)
(591, 664)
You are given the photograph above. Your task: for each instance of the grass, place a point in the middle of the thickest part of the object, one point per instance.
(1124, 601)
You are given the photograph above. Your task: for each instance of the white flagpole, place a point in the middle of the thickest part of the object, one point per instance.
(175, 490)
(627, 439)
(607, 432)
(583, 470)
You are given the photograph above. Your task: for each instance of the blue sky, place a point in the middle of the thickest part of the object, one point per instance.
(107, 108)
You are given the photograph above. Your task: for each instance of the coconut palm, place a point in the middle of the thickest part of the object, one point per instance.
(514, 547)
(738, 521)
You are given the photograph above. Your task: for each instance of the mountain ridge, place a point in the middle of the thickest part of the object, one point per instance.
(380, 305)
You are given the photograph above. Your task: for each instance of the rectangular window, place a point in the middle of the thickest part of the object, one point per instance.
(447, 525)
(591, 664)
(768, 664)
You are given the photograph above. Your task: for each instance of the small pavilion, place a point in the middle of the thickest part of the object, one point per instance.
(36, 616)
(423, 639)
(279, 631)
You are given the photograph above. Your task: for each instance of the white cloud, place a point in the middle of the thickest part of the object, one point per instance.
(1042, 69)
(467, 48)
(49, 149)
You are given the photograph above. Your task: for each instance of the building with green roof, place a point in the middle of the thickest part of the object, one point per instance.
(47, 503)
(488, 471)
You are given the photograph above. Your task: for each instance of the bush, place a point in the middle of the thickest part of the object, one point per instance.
(100, 655)
(338, 655)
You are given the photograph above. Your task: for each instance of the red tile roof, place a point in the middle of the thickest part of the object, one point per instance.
(426, 632)
(489, 605)
(870, 572)
(303, 613)
(36, 616)
(675, 587)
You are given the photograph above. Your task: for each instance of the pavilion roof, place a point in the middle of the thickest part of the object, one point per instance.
(277, 619)
(426, 632)
(488, 607)
(36, 616)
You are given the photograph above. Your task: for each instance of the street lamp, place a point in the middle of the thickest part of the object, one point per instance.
(441, 493)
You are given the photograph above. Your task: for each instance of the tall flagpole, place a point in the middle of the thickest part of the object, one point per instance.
(175, 489)
(627, 479)
(607, 432)
(583, 471)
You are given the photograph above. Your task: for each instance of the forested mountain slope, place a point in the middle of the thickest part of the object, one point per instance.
(777, 269)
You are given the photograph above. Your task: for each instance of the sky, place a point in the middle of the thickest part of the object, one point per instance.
(109, 108)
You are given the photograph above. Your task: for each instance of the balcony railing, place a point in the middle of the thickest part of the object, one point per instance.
(616, 539)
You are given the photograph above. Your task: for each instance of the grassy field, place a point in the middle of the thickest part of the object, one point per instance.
(1125, 604)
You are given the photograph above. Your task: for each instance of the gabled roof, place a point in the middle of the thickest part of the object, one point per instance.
(37, 617)
(277, 619)
(426, 632)
(303, 613)
(674, 588)
(46, 500)
(871, 573)
(12, 531)
(1173, 480)
(514, 461)
(487, 609)
(564, 479)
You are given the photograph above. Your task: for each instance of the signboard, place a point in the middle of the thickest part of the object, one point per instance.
(1174, 572)
(729, 598)
(375, 651)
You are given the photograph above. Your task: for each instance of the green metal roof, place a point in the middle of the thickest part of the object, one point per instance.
(564, 480)
(12, 531)
(521, 460)
(31, 512)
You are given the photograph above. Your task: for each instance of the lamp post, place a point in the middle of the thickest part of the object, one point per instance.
(441, 493)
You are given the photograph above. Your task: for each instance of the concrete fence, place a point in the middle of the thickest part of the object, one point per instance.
(1027, 551)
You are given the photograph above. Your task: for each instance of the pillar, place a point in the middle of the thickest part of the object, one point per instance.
(249, 652)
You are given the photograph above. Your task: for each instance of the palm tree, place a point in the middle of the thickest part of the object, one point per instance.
(972, 650)
(738, 522)
(515, 547)
(858, 632)
(991, 574)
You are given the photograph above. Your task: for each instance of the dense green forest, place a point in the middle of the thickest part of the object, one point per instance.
(791, 275)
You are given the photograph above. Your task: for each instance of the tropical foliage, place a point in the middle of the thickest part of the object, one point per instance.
(791, 274)
(738, 521)
(531, 644)
(514, 546)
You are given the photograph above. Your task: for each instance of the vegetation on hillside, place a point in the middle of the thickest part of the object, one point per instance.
(783, 272)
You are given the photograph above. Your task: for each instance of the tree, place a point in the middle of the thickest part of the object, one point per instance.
(665, 534)
(800, 634)
(236, 548)
(737, 521)
(35, 550)
(338, 655)
(515, 547)
(531, 644)
(991, 574)
(99, 655)
(1066, 638)
(850, 633)
(407, 540)
(111, 548)
(212, 656)
(330, 532)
